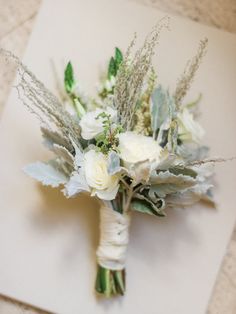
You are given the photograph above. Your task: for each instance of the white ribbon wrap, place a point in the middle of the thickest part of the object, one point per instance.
(114, 237)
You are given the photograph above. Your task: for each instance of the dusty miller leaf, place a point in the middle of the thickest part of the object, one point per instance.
(159, 110)
(164, 183)
(192, 151)
(113, 163)
(191, 196)
(168, 160)
(79, 156)
(46, 174)
(162, 110)
(76, 185)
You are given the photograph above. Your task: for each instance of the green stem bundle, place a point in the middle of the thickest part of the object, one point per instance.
(110, 282)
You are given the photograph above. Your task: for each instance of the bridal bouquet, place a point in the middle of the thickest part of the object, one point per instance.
(136, 146)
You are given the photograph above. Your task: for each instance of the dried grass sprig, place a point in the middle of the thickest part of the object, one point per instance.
(191, 68)
(132, 73)
(40, 101)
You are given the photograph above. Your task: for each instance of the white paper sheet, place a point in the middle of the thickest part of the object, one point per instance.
(47, 243)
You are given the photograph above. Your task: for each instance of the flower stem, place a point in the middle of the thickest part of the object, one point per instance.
(110, 282)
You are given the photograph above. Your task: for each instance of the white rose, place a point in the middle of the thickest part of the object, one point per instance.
(135, 148)
(102, 184)
(140, 155)
(188, 129)
(91, 126)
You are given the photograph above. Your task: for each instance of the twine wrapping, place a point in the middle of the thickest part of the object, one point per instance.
(114, 237)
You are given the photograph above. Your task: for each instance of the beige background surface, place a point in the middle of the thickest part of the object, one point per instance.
(16, 21)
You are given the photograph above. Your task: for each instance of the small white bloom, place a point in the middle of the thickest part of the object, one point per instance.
(189, 130)
(91, 126)
(107, 84)
(78, 92)
(102, 184)
(113, 81)
(110, 83)
(140, 154)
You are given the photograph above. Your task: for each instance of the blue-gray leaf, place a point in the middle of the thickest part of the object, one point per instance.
(162, 109)
(113, 163)
(164, 183)
(201, 191)
(76, 184)
(46, 174)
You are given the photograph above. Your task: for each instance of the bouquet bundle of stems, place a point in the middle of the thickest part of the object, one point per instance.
(136, 146)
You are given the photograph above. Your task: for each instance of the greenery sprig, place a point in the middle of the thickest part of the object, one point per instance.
(70, 83)
(108, 140)
(114, 63)
(113, 67)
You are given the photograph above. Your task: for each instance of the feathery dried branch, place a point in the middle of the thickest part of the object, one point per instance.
(191, 68)
(40, 101)
(210, 160)
(132, 72)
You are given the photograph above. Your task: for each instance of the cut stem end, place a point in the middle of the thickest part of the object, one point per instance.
(110, 282)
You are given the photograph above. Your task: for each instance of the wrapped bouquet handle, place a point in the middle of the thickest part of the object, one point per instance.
(111, 252)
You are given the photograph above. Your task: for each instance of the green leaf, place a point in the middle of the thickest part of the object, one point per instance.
(118, 57)
(145, 206)
(69, 77)
(115, 63)
(112, 68)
